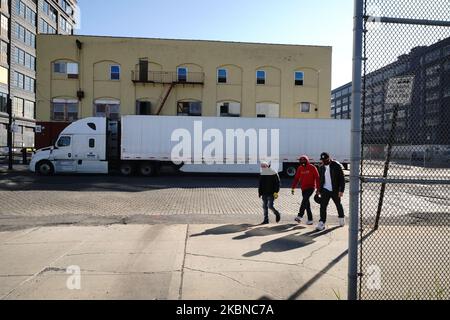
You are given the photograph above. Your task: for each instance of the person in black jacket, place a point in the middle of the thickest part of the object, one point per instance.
(332, 186)
(269, 186)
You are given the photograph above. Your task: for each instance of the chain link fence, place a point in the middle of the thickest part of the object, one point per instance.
(404, 250)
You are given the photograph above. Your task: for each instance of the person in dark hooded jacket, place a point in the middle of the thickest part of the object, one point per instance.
(308, 177)
(269, 187)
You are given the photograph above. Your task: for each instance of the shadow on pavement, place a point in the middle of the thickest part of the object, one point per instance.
(228, 229)
(263, 232)
(290, 242)
(320, 274)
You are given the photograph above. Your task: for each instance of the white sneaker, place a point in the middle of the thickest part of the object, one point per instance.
(320, 226)
(298, 219)
(310, 223)
(342, 222)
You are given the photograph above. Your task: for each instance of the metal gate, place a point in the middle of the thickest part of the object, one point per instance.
(401, 130)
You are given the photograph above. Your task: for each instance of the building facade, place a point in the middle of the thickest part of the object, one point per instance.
(83, 76)
(425, 120)
(341, 102)
(21, 21)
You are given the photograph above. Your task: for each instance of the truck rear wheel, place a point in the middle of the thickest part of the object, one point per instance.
(126, 169)
(147, 169)
(45, 168)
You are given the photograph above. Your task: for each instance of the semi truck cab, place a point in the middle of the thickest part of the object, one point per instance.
(80, 148)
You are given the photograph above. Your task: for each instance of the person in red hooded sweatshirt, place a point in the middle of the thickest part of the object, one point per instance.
(308, 177)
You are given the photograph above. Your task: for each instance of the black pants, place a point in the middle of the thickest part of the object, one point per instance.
(306, 204)
(268, 201)
(326, 196)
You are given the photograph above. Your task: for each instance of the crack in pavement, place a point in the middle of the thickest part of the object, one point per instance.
(235, 280)
(245, 260)
(330, 241)
(106, 273)
(3, 297)
(180, 291)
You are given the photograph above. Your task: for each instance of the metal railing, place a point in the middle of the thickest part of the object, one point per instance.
(167, 77)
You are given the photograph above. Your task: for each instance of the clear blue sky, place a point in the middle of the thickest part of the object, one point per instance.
(320, 22)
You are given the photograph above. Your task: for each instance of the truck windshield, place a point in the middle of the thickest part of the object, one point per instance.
(63, 142)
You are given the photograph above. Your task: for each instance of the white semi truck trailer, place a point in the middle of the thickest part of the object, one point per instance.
(145, 144)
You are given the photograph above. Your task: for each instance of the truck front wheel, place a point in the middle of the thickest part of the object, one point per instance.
(147, 169)
(126, 169)
(45, 168)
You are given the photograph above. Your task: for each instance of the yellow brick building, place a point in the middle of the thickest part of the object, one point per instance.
(83, 76)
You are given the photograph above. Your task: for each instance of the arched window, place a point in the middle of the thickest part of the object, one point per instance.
(109, 108)
(228, 109)
(64, 110)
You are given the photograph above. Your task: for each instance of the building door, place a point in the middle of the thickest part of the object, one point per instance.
(143, 70)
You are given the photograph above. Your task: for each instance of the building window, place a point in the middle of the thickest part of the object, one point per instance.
(267, 110)
(305, 107)
(193, 109)
(222, 76)
(25, 35)
(4, 26)
(107, 108)
(229, 109)
(4, 52)
(64, 25)
(299, 78)
(45, 28)
(143, 108)
(28, 110)
(182, 74)
(260, 77)
(115, 72)
(3, 102)
(64, 110)
(66, 7)
(23, 82)
(49, 10)
(17, 107)
(24, 59)
(69, 68)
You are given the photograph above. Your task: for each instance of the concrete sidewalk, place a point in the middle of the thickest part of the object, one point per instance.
(285, 261)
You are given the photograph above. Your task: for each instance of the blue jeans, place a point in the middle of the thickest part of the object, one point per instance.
(268, 204)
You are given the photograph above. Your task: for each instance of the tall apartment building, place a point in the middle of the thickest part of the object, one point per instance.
(425, 120)
(21, 21)
(341, 102)
(85, 76)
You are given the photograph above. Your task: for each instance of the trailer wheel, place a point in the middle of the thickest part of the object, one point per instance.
(45, 168)
(126, 169)
(290, 170)
(147, 169)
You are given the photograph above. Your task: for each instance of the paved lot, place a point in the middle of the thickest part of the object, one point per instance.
(196, 237)
(193, 262)
(219, 199)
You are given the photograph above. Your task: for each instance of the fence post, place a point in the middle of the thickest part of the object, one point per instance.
(355, 151)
